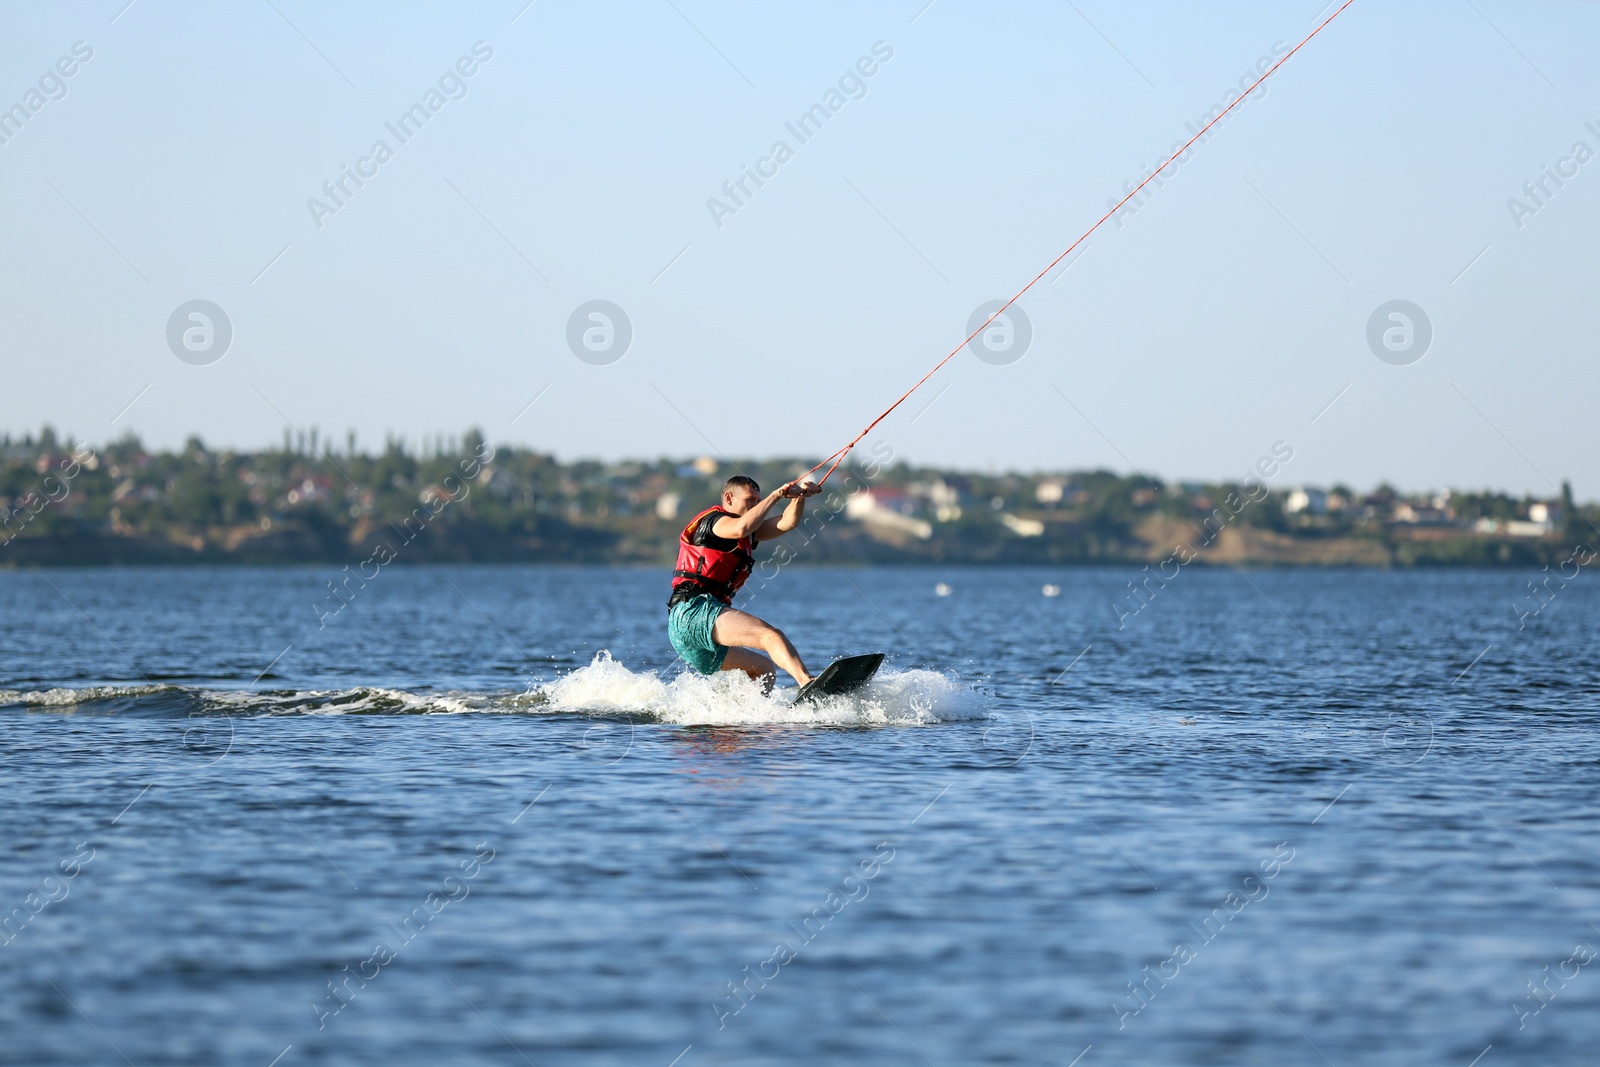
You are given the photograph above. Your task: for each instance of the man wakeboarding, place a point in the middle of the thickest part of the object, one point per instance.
(716, 552)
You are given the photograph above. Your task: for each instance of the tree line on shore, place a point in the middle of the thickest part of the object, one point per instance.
(464, 499)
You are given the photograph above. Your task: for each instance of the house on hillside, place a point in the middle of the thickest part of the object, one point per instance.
(888, 510)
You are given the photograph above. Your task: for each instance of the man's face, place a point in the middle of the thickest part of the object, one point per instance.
(739, 500)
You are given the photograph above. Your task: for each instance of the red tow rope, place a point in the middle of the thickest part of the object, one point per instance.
(838, 457)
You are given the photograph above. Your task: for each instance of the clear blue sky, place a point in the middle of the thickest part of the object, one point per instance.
(1224, 316)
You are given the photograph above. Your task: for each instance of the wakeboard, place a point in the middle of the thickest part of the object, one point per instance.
(842, 676)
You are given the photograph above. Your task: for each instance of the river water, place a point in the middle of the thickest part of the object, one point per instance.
(473, 815)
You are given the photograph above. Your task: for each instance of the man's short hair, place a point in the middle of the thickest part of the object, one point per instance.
(740, 481)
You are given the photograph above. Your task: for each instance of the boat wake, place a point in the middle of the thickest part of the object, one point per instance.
(605, 688)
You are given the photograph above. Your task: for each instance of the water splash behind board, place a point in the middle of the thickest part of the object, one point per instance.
(906, 698)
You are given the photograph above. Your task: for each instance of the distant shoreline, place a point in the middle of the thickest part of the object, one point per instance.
(54, 556)
(466, 501)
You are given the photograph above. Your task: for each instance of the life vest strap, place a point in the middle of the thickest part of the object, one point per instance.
(722, 589)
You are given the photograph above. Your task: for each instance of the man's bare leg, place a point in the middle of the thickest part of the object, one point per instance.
(754, 664)
(741, 630)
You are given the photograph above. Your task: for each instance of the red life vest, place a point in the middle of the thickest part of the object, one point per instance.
(717, 571)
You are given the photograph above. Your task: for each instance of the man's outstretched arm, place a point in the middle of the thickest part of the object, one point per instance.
(734, 527)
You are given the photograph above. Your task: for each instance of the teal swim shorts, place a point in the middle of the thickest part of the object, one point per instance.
(689, 625)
